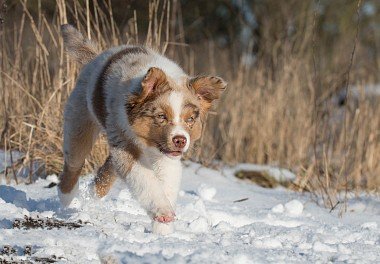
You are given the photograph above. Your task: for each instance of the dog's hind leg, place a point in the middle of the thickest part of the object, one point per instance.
(80, 132)
(105, 177)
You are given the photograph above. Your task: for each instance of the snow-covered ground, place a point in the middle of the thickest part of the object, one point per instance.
(219, 219)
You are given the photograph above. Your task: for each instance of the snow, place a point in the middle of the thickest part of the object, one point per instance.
(278, 209)
(320, 247)
(370, 225)
(294, 208)
(206, 192)
(219, 219)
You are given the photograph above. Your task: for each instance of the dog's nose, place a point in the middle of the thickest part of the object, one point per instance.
(179, 141)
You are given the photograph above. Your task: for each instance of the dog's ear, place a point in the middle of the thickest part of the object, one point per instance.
(207, 88)
(153, 82)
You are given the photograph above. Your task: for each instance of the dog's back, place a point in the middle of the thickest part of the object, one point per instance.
(102, 72)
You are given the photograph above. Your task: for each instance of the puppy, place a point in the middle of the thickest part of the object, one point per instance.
(151, 111)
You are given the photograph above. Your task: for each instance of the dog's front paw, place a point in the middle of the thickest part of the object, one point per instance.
(164, 216)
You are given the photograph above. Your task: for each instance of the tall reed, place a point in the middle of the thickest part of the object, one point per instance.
(280, 110)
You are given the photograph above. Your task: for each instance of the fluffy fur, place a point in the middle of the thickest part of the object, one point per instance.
(151, 112)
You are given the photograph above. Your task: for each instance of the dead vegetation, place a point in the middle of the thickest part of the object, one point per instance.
(27, 254)
(281, 109)
(17, 255)
(45, 223)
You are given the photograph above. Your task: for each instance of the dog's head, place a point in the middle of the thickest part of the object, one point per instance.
(169, 116)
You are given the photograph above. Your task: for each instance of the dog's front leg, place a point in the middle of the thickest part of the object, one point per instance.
(170, 173)
(146, 187)
(149, 189)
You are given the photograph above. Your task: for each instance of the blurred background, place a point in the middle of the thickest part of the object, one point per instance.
(303, 80)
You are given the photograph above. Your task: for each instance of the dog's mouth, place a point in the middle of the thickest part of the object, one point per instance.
(171, 153)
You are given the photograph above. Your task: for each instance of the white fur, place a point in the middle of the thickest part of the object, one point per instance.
(66, 198)
(147, 189)
(155, 181)
(168, 66)
(176, 101)
(170, 172)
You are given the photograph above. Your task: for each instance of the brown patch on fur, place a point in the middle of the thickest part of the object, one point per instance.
(193, 128)
(133, 150)
(150, 131)
(207, 88)
(78, 141)
(123, 160)
(167, 111)
(153, 119)
(68, 178)
(196, 132)
(105, 178)
(124, 152)
(153, 86)
(98, 99)
(120, 141)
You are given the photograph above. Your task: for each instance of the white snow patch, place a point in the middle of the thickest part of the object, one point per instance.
(369, 225)
(52, 178)
(320, 247)
(270, 243)
(66, 199)
(343, 249)
(279, 209)
(234, 220)
(223, 226)
(357, 207)
(305, 246)
(241, 259)
(283, 223)
(294, 208)
(206, 192)
(199, 225)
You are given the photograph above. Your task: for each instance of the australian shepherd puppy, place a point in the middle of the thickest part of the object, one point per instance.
(151, 111)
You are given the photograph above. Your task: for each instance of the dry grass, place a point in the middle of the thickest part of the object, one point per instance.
(280, 112)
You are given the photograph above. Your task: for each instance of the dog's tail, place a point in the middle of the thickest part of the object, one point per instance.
(81, 49)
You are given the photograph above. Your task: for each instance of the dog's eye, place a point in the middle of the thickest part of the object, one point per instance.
(162, 117)
(190, 120)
